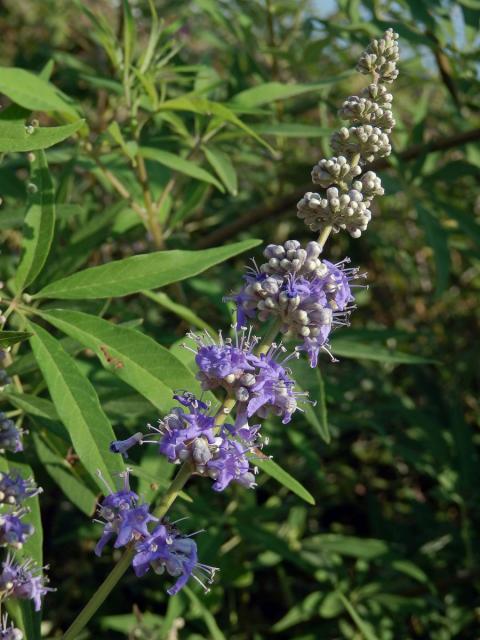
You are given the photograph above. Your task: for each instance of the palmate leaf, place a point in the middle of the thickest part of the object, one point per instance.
(149, 271)
(78, 407)
(38, 225)
(132, 356)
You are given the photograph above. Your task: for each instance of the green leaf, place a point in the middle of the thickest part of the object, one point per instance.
(78, 406)
(130, 623)
(39, 224)
(365, 548)
(301, 612)
(33, 405)
(437, 238)
(180, 310)
(364, 351)
(65, 476)
(283, 477)
(177, 163)
(34, 93)
(214, 631)
(128, 148)
(129, 36)
(223, 167)
(364, 628)
(273, 91)
(292, 130)
(14, 136)
(132, 356)
(315, 407)
(8, 338)
(200, 105)
(175, 608)
(148, 271)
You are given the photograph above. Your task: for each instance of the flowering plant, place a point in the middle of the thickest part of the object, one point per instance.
(136, 426)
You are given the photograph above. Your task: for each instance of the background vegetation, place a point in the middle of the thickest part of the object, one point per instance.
(390, 549)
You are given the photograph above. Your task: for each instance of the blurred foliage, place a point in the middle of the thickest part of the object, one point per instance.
(391, 548)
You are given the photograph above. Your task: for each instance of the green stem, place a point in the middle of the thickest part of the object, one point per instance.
(100, 595)
(323, 237)
(173, 490)
(224, 411)
(122, 565)
(269, 338)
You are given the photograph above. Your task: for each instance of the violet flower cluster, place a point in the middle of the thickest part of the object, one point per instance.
(306, 296)
(20, 578)
(191, 433)
(302, 296)
(165, 548)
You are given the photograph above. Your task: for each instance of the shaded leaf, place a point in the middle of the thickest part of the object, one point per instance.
(284, 478)
(197, 104)
(214, 631)
(177, 163)
(65, 477)
(364, 351)
(362, 626)
(437, 238)
(223, 167)
(8, 338)
(301, 612)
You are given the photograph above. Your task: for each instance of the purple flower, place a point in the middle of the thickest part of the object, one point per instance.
(307, 295)
(24, 581)
(9, 632)
(192, 436)
(122, 446)
(231, 464)
(223, 364)
(122, 518)
(166, 549)
(10, 435)
(13, 531)
(186, 435)
(259, 383)
(273, 389)
(14, 489)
